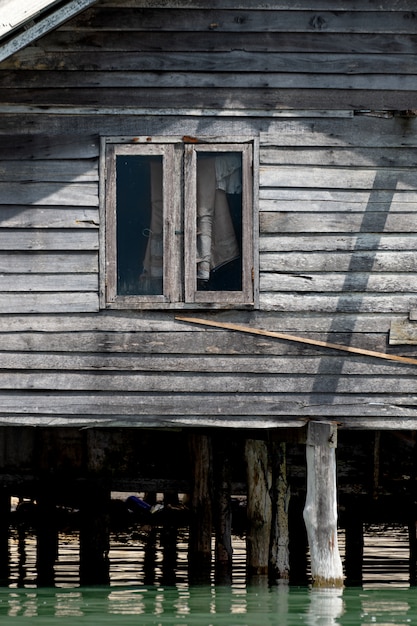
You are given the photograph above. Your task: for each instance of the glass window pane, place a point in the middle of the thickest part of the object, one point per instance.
(139, 225)
(219, 221)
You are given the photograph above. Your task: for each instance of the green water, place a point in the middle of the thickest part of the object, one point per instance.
(207, 606)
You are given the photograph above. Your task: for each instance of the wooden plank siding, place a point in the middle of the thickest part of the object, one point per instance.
(337, 197)
(48, 225)
(234, 55)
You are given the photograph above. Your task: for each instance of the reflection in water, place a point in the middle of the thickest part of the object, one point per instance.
(208, 606)
(326, 605)
(149, 585)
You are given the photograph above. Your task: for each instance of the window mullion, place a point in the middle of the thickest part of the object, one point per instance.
(172, 224)
(190, 222)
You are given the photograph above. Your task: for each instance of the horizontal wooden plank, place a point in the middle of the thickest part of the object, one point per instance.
(48, 217)
(231, 99)
(48, 302)
(49, 171)
(43, 239)
(45, 262)
(311, 365)
(374, 199)
(47, 146)
(351, 205)
(339, 303)
(294, 5)
(360, 222)
(307, 42)
(282, 131)
(64, 194)
(180, 342)
(146, 421)
(162, 321)
(343, 282)
(335, 244)
(341, 157)
(359, 261)
(166, 406)
(98, 18)
(361, 131)
(207, 383)
(211, 69)
(48, 282)
(339, 178)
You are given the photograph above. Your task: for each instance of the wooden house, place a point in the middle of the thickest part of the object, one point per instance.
(238, 162)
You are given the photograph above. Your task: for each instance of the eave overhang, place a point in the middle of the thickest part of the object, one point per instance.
(24, 21)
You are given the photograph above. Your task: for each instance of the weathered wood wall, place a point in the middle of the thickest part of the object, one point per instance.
(337, 214)
(227, 55)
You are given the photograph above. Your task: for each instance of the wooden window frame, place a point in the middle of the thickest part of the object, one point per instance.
(179, 217)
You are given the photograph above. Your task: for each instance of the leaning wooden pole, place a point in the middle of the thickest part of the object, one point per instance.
(303, 340)
(320, 511)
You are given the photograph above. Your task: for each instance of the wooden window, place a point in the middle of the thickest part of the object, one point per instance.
(179, 223)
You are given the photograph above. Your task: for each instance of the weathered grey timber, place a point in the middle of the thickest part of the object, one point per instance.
(320, 511)
(328, 93)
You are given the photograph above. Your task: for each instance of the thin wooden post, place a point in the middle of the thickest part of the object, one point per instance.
(279, 565)
(47, 536)
(199, 549)
(222, 510)
(412, 538)
(4, 534)
(94, 533)
(320, 511)
(259, 510)
(298, 544)
(353, 544)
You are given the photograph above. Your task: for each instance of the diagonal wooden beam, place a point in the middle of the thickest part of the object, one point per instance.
(41, 26)
(311, 342)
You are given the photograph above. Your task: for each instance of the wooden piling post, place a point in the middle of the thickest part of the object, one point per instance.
(201, 516)
(259, 509)
(47, 536)
(320, 511)
(412, 538)
(354, 544)
(94, 533)
(4, 534)
(222, 511)
(279, 565)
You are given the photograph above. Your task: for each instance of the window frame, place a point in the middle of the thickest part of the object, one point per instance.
(179, 155)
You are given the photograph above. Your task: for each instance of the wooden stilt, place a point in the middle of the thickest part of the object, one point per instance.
(279, 565)
(222, 512)
(320, 511)
(259, 510)
(298, 544)
(94, 533)
(353, 545)
(47, 537)
(169, 537)
(149, 561)
(412, 538)
(199, 560)
(4, 535)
